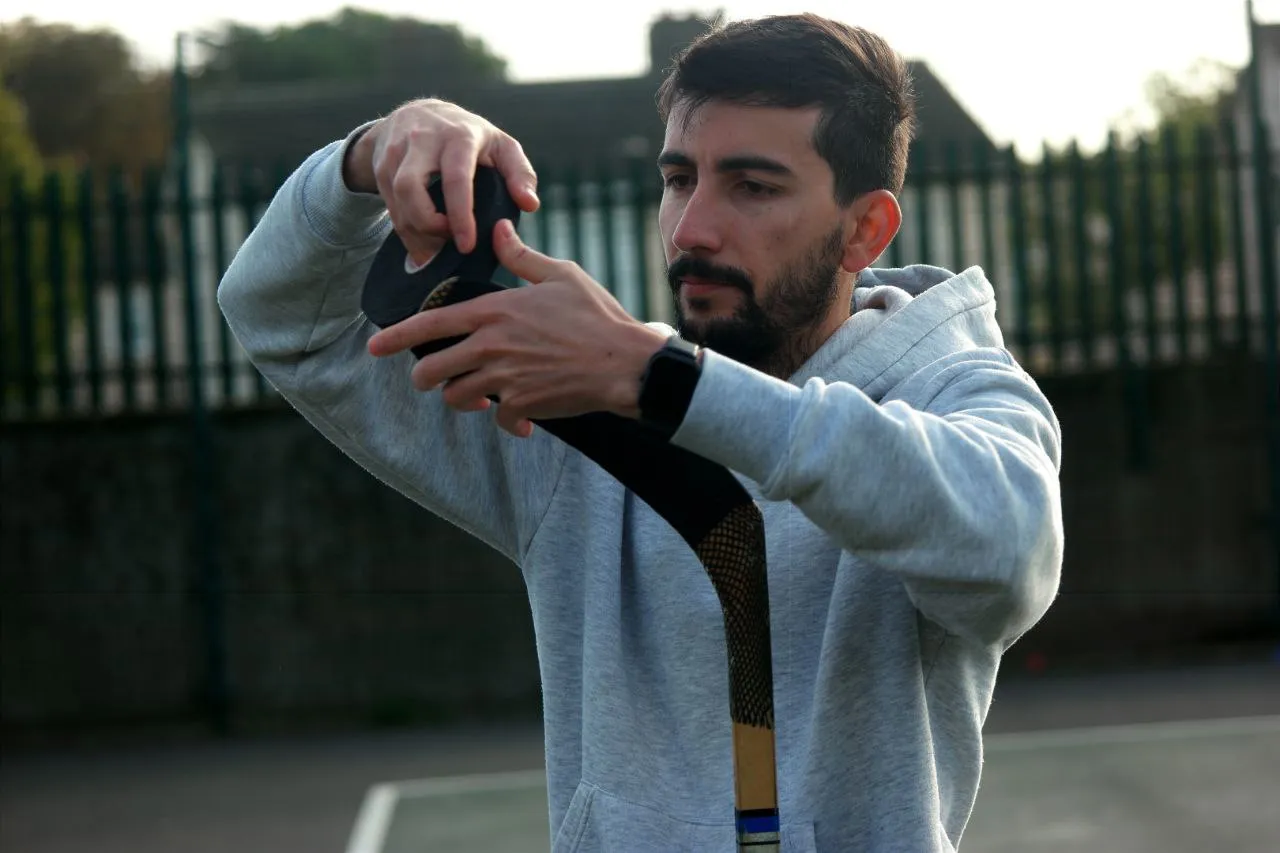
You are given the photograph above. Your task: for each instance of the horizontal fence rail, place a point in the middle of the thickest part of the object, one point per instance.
(1138, 255)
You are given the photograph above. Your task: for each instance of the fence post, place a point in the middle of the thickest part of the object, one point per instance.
(250, 196)
(6, 213)
(953, 181)
(1265, 185)
(639, 174)
(1133, 389)
(122, 247)
(573, 192)
(25, 301)
(603, 174)
(1052, 304)
(204, 479)
(1146, 257)
(1234, 178)
(89, 288)
(55, 245)
(924, 183)
(217, 212)
(155, 274)
(1084, 331)
(1271, 358)
(1208, 208)
(1173, 160)
(982, 179)
(1021, 269)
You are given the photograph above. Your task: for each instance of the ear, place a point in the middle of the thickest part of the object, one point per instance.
(876, 218)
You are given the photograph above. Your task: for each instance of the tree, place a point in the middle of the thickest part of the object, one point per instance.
(1184, 102)
(19, 156)
(350, 46)
(1162, 232)
(88, 103)
(1184, 156)
(31, 247)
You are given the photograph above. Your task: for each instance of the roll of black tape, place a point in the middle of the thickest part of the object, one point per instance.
(394, 291)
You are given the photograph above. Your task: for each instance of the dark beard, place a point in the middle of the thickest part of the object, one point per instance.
(775, 336)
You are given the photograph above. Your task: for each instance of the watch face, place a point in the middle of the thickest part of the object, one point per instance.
(668, 387)
(674, 369)
(666, 369)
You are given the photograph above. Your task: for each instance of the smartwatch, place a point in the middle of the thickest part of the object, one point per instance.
(667, 385)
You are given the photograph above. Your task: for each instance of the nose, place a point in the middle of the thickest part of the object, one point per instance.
(699, 228)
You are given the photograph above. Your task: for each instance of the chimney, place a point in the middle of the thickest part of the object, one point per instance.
(669, 35)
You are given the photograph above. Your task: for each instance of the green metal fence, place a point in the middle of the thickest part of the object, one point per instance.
(1116, 263)
(1135, 256)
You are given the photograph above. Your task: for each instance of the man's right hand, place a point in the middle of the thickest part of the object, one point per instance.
(400, 153)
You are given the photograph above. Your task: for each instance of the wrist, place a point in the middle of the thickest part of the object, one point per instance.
(668, 385)
(357, 162)
(641, 344)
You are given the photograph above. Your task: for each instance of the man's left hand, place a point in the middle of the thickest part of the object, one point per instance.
(563, 347)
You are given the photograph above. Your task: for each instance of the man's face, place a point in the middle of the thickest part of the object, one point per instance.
(753, 238)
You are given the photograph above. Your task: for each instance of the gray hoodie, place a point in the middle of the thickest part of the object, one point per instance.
(908, 478)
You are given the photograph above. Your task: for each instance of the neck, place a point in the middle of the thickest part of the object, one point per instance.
(786, 360)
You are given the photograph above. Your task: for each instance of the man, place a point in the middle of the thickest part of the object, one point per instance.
(905, 466)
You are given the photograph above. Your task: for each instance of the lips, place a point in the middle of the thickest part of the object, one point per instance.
(694, 286)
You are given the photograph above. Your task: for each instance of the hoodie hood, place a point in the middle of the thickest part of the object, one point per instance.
(902, 319)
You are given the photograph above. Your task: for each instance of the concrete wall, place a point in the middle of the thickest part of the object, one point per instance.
(1181, 554)
(342, 596)
(345, 600)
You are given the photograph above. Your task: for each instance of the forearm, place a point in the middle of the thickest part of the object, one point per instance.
(292, 298)
(957, 494)
(294, 284)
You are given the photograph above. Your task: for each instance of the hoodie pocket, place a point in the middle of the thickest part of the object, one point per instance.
(598, 822)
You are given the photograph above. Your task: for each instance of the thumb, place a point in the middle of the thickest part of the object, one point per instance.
(529, 264)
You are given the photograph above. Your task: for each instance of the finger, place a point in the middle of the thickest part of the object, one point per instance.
(450, 364)
(529, 264)
(509, 420)
(457, 173)
(461, 319)
(465, 391)
(522, 181)
(422, 228)
(522, 428)
(475, 405)
(386, 165)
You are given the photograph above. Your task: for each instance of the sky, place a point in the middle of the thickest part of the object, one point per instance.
(1029, 72)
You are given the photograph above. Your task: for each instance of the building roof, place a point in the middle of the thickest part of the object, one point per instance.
(582, 122)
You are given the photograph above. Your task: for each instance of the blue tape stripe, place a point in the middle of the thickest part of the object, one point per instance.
(769, 823)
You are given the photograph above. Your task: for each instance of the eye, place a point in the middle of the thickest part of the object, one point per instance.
(755, 188)
(676, 180)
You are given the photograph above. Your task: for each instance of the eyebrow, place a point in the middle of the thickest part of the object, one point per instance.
(740, 163)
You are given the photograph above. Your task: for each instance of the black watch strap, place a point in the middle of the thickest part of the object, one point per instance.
(668, 383)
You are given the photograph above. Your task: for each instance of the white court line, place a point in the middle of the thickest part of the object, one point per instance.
(472, 784)
(379, 804)
(370, 830)
(1133, 733)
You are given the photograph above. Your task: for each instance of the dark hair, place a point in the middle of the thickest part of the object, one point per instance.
(862, 86)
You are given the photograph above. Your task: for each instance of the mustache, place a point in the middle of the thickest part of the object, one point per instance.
(694, 267)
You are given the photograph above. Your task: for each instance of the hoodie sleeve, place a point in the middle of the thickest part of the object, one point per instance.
(957, 494)
(291, 296)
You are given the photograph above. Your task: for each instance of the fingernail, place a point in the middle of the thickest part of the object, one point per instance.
(531, 191)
